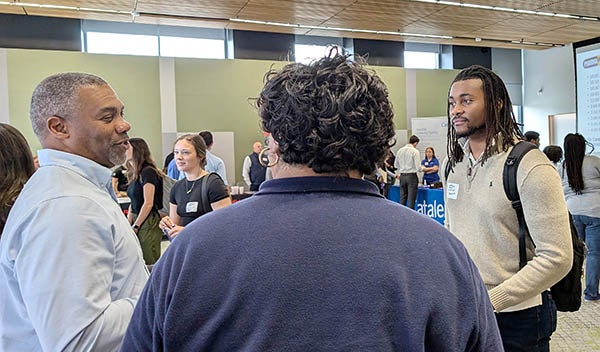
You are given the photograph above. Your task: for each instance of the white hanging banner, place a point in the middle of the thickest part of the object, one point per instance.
(432, 132)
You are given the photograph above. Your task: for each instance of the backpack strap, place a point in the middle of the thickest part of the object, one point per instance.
(204, 194)
(509, 180)
(447, 170)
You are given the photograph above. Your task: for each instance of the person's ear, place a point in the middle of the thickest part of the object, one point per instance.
(57, 127)
(500, 105)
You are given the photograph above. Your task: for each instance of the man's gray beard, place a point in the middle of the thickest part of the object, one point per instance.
(115, 158)
(470, 131)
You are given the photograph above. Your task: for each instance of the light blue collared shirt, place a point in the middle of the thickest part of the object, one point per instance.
(71, 268)
(216, 164)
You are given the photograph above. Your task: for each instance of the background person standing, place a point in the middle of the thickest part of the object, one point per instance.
(145, 190)
(253, 171)
(408, 163)
(430, 167)
(186, 201)
(581, 185)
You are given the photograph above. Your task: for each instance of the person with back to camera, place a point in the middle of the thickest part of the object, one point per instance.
(71, 269)
(532, 137)
(186, 198)
(303, 265)
(430, 166)
(581, 185)
(408, 163)
(16, 167)
(482, 131)
(145, 191)
(554, 153)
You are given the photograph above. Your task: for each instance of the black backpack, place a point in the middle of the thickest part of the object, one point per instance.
(567, 292)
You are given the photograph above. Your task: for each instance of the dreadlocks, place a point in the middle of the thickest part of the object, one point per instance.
(500, 123)
(574, 152)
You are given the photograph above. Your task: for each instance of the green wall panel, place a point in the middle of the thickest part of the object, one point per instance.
(395, 80)
(134, 78)
(216, 95)
(432, 91)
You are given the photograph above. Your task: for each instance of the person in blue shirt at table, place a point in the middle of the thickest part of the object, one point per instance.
(430, 166)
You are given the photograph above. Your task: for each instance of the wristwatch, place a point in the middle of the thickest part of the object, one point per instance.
(135, 227)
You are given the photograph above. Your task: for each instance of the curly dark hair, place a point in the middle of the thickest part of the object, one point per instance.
(332, 115)
(501, 124)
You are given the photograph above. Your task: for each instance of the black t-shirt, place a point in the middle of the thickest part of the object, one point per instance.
(135, 190)
(120, 175)
(189, 205)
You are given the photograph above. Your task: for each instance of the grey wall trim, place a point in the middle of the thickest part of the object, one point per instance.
(4, 110)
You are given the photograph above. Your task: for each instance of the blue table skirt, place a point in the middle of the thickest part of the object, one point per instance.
(430, 201)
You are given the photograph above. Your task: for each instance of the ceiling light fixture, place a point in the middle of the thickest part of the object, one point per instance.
(508, 9)
(68, 8)
(353, 30)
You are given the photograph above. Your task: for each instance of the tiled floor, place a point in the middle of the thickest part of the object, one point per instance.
(578, 331)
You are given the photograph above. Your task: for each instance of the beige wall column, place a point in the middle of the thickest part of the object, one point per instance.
(411, 97)
(168, 104)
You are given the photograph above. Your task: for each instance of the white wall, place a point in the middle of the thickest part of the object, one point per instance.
(507, 64)
(553, 71)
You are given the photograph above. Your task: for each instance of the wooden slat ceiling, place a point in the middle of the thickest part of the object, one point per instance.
(399, 19)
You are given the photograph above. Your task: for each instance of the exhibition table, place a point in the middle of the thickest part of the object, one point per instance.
(430, 201)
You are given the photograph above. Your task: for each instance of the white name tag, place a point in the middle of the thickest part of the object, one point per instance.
(452, 191)
(191, 207)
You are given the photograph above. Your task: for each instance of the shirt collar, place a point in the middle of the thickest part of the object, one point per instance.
(86, 168)
(464, 143)
(318, 184)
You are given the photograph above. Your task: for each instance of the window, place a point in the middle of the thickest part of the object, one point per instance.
(192, 47)
(418, 59)
(152, 40)
(117, 43)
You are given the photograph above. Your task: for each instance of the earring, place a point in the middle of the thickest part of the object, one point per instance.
(264, 160)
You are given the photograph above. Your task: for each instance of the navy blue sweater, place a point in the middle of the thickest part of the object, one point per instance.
(314, 264)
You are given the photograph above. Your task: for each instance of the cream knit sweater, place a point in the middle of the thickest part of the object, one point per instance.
(482, 217)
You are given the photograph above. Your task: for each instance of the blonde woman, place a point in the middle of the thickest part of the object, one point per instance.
(189, 199)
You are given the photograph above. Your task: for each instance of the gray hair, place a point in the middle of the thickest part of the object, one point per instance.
(57, 95)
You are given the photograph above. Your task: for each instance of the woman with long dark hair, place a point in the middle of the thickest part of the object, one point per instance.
(145, 191)
(16, 166)
(581, 183)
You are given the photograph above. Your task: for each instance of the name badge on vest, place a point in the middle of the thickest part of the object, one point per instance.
(191, 207)
(452, 191)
